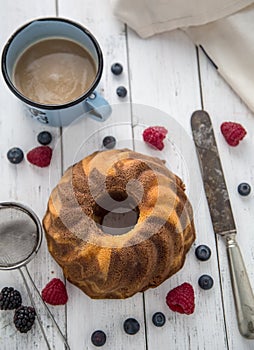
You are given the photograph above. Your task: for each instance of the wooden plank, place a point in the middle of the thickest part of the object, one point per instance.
(238, 164)
(164, 75)
(83, 138)
(26, 184)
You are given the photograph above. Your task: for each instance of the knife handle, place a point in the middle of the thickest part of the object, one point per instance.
(243, 294)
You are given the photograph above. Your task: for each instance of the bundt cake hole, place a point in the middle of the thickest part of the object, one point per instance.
(116, 213)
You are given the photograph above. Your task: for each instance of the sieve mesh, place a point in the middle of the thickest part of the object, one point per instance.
(20, 236)
(20, 239)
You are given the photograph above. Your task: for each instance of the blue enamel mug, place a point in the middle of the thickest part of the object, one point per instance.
(89, 103)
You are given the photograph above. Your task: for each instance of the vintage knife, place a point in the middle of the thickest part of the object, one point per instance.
(222, 218)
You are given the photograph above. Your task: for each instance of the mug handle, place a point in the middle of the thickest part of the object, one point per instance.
(97, 107)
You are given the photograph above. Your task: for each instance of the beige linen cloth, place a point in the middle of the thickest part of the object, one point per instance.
(224, 28)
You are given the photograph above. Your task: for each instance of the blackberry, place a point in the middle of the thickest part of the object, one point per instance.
(44, 138)
(131, 326)
(116, 68)
(109, 142)
(15, 155)
(24, 318)
(10, 299)
(98, 338)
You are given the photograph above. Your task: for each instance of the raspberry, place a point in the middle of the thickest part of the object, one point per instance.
(40, 156)
(55, 293)
(233, 132)
(154, 136)
(181, 299)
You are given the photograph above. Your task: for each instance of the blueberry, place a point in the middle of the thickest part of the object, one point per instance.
(244, 189)
(98, 338)
(203, 252)
(159, 319)
(205, 282)
(44, 138)
(131, 326)
(116, 68)
(121, 91)
(109, 142)
(15, 155)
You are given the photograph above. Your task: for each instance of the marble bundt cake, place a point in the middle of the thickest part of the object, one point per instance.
(118, 223)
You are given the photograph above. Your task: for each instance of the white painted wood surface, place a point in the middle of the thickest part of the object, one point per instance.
(162, 73)
(238, 164)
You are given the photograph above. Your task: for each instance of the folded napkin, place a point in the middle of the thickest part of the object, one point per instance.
(229, 42)
(224, 28)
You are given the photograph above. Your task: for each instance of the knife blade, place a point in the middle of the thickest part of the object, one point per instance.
(222, 218)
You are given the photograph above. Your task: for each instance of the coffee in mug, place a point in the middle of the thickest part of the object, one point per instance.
(53, 65)
(54, 71)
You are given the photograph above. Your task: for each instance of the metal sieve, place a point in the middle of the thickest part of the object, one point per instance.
(20, 240)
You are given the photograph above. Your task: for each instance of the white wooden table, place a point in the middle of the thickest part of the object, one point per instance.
(169, 73)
